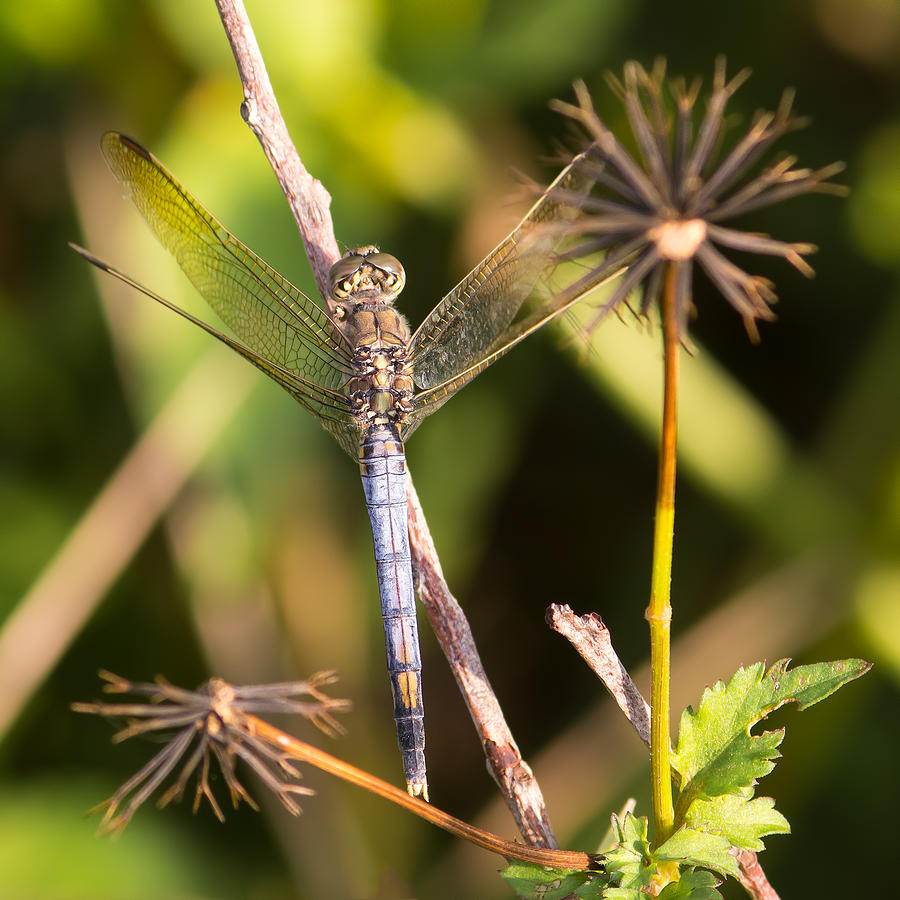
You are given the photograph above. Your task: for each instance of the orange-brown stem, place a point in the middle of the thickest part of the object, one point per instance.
(296, 749)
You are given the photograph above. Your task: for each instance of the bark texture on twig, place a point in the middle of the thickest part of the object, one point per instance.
(309, 200)
(513, 775)
(590, 637)
(752, 878)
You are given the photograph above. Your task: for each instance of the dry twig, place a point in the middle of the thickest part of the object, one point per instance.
(512, 774)
(590, 637)
(307, 197)
(310, 202)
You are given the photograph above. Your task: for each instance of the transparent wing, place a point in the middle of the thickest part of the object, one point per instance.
(331, 408)
(273, 318)
(464, 328)
(578, 285)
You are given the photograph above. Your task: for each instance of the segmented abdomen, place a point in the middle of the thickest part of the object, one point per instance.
(382, 466)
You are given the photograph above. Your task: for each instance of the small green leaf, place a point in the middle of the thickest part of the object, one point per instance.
(597, 888)
(538, 883)
(612, 834)
(692, 847)
(743, 822)
(694, 884)
(617, 894)
(629, 864)
(631, 830)
(716, 753)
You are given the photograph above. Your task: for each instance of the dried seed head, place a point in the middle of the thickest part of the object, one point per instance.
(208, 723)
(666, 205)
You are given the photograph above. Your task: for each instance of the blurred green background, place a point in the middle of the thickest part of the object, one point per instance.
(246, 551)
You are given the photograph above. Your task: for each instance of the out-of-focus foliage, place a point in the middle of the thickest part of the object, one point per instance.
(46, 850)
(537, 481)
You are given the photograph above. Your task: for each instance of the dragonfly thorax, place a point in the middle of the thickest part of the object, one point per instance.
(381, 387)
(364, 284)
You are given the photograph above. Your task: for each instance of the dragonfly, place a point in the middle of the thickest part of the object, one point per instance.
(357, 367)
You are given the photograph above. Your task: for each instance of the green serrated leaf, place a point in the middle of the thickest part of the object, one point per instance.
(631, 830)
(629, 864)
(699, 848)
(743, 822)
(694, 884)
(613, 833)
(716, 753)
(538, 883)
(738, 765)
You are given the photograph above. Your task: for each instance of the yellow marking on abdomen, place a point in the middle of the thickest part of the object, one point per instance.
(408, 683)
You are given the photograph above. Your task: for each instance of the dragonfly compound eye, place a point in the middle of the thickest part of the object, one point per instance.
(340, 275)
(395, 276)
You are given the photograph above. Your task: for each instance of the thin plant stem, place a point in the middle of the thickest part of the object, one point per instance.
(303, 752)
(659, 612)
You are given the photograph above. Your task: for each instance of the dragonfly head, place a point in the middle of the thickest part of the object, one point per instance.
(364, 275)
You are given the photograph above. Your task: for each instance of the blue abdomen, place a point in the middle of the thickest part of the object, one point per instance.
(382, 466)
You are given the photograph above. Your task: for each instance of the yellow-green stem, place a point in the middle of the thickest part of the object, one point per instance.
(659, 612)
